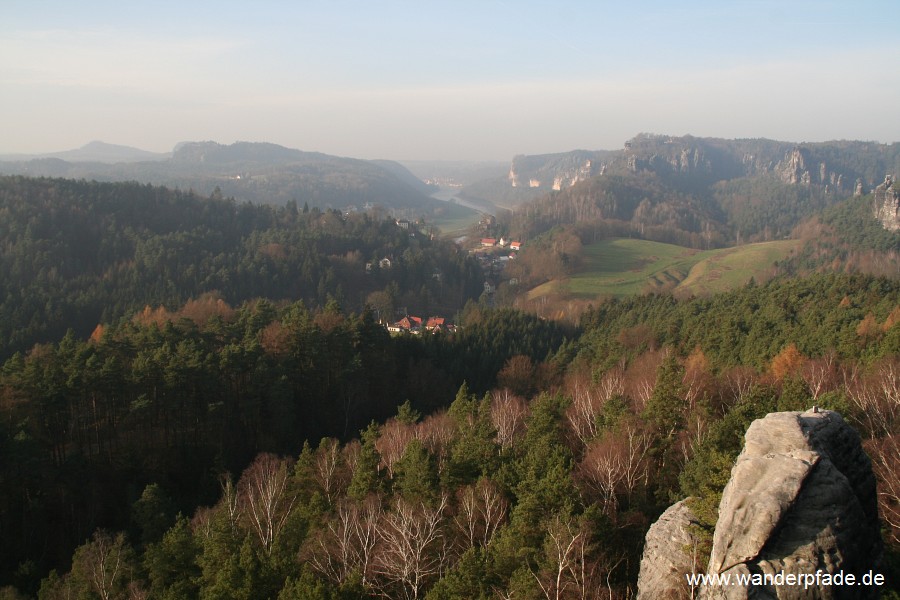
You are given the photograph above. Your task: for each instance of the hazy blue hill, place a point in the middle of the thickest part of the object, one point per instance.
(405, 175)
(256, 172)
(241, 153)
(93, 152)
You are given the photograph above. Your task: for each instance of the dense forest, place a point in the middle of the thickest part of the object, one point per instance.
(198, 400)
(79, 253)
(575, 438)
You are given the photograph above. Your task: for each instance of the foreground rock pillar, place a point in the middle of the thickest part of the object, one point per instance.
(801, 500)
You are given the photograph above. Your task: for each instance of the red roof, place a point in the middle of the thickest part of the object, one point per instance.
(488, 241)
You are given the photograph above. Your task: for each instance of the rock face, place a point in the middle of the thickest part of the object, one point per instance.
(667, 555)
(887, 204)
(801, 499)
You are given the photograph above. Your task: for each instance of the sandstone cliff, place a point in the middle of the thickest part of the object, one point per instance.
(836, 167)
(887, 204)
(801, 498)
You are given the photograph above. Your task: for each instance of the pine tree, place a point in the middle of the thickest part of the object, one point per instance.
(366, 477)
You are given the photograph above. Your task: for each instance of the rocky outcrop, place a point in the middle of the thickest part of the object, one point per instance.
(798, 168)
(801, 499)
(668, 555)
(887, 204)
(555, 171)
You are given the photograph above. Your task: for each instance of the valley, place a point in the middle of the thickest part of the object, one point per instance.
(168, 352)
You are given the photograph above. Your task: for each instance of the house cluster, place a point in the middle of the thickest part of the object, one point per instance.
(384, 264)
(502, 243)
(416, 325)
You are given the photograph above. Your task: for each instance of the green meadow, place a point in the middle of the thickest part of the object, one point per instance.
(454, 219)
(624, 267)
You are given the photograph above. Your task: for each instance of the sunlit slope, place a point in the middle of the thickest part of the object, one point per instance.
(623, 267)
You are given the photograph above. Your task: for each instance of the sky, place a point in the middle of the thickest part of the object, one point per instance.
(460, 80)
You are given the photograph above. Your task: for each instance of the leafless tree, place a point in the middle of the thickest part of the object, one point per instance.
(436, 432)
(820, 374)
(569, 573)
(480, 512)
(351, 454)
(588, 400)
(347, 542)
(229, 501)
(201, 523)
(885, 455)
(697, 379)
(392, 442)
(877, 395)
(508, 414)
(582, 412)
(264, 497)
(412, 548)
(739, 381)
(640, 377)
(104, 564)
(616, 464)
(328, 463)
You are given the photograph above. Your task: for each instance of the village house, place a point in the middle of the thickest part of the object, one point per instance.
(488, 242)
(415, 326)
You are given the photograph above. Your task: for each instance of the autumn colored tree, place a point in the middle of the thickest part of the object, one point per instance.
(787, 362)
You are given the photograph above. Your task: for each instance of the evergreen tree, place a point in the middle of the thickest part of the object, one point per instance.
(416, 477)
(366, 477)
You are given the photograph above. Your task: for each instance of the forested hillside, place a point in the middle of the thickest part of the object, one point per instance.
(256, 172)
(79, 253)
(696, 192)
(540, 478)
(848, 237)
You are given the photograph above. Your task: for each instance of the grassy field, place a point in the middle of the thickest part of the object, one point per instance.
(455, 219)
(623, 267)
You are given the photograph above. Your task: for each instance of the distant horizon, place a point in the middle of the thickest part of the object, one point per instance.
(471, 81)
(33, 155)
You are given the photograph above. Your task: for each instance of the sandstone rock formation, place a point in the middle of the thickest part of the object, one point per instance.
(887, 204)
(801, 499)
(668, 554)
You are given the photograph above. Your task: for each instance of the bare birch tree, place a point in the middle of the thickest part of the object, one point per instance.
(391, 443)
(264, 498)
(508, 415)
(346, 544)
(328, 471)
(104, 563)
(413, 549)
(481, 510)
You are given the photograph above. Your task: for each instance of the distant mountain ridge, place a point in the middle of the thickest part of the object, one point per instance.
(698, 192)
(96, 151)
(251, 171)
(840, 166)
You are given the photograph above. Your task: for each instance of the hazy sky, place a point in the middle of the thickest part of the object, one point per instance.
(444, 80)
